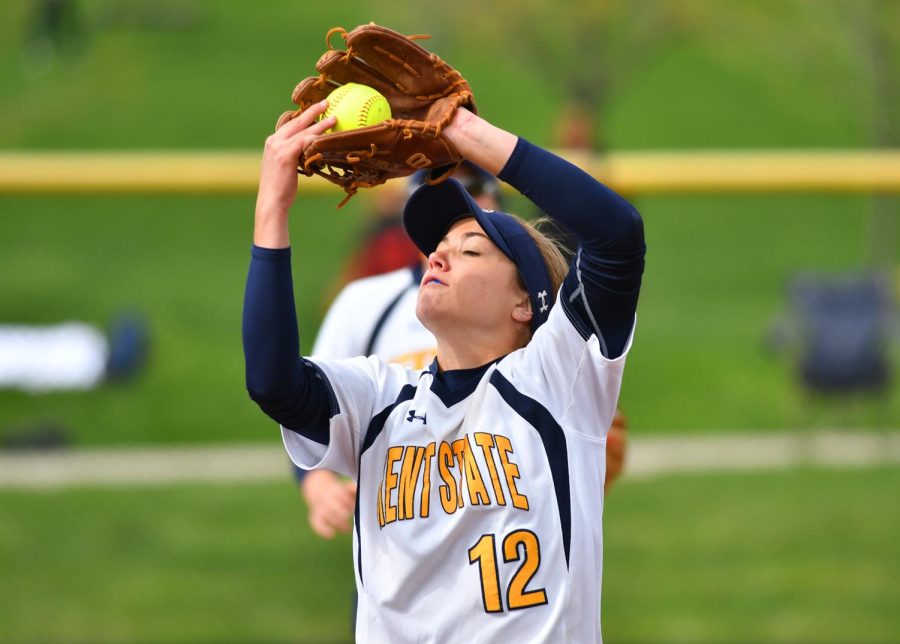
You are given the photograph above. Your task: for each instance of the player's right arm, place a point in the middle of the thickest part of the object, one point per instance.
(322, 406)
(282, 385)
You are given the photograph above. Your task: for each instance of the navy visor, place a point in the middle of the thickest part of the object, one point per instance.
(432, 209)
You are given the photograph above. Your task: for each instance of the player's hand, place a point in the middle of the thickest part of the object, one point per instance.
(331, 501)
(278, 174)
(615, 449)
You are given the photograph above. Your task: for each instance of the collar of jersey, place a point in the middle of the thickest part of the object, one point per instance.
(456, 385)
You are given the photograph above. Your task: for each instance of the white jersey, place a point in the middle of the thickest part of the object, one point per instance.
(479, 510)
(377, 316)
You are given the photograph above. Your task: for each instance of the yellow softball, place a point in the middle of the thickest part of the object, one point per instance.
(356, 105)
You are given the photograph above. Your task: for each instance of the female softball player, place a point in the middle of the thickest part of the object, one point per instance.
(480, 478)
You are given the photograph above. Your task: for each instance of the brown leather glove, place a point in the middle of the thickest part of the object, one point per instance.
(424, 93)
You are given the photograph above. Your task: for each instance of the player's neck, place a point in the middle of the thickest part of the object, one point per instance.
(468, 352)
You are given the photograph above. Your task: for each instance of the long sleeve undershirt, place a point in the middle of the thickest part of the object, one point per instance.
(599, 294)
(601, 290)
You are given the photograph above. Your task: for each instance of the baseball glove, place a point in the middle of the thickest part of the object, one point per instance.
(424, 93)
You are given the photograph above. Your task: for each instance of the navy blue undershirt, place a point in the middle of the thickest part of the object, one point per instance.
(599, 294)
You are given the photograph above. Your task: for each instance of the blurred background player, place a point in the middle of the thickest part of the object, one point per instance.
(377, 316)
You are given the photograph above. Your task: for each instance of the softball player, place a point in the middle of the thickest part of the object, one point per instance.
(480, 478)
(377, 316)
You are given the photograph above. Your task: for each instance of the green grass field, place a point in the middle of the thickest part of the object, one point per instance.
(810, 555)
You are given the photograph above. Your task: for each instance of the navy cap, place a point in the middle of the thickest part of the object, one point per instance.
(432, 209)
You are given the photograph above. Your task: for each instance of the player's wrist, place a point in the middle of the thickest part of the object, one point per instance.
(459, 131)
(481, 142)
(272, 211)
(270, 229)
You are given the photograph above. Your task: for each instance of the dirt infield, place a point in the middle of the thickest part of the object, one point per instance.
(647, 457)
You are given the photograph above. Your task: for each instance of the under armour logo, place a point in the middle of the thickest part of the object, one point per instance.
(412, 416)
(543, 296)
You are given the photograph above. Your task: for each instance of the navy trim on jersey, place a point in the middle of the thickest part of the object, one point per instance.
(376, 425)
(455, 385)
(554, 441)
(571, 303)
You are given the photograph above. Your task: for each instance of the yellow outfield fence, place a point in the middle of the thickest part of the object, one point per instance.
(646, 172)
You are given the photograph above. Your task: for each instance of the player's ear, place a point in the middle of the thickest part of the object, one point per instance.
(522, 310)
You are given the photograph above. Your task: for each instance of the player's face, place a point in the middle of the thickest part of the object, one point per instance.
(469, 284)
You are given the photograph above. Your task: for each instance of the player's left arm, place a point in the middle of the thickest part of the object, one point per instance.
(601, 291)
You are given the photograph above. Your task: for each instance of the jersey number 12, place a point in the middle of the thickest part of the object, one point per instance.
(520, 544)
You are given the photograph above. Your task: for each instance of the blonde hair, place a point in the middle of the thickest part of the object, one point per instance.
(552, 251)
